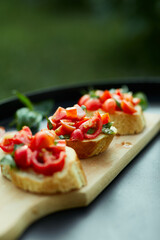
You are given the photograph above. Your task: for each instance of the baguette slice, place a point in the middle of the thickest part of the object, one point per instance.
(70, 178)
(89, 148)
(126, 124)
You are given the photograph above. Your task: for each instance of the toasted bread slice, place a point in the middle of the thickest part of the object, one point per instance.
(126, 124)
(89, 148)
(70, 178)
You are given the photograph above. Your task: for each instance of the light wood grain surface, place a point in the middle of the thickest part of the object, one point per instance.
(18, 209)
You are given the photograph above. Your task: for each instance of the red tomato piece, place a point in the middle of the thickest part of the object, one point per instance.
(78, 123)
(136, 101)
(80, 112)
(23, 136)
(109, 105)
(77, 135)
(83, 99)
(22, 157)
(106, 95)
(71, 112)
(52, 122)
(7, 145)
(60, 131)
(2, 131)
(119, 93)
(128, 97)
(105, 118)
(43, 139)
(68, 126)
(45, 163)
(59, 114)
(94, 123)
(93, 104)
(127, 107)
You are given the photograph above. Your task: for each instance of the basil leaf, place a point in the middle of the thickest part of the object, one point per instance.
(108, 125)
(108, 131)
(16, 146)
(91, 131)
(26, 117)
(83, 107)
(143, 100)
(23, 99)
(49, 124)
(8, 160)
(92, 94)
(124, 89)
(44, 107)
(64, 136)
(118, 103)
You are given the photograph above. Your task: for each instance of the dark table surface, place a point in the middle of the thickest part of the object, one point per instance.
(129, 208)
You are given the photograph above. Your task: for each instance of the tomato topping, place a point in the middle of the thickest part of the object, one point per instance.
(71, 112)
(2, 131)
(105, 118)
(53, 126)
(119, 93)
(128, 97)
(46, 163)
(7, 145)
(60, 131)
(109, 105)
(128, 107)
(93, 104)
(99, 93)
(59, 114)
(67, 126)
(136, 101)
(83, 99)
(23, 136)
(77, 135)
(106, 95)
(22, 157)
(80, 112)
(94, 123)
(43, 139)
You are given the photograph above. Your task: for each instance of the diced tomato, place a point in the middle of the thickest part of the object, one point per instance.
(7, 145)
(80, 112)
(106, 95)
(95, 123)
(127, 107)
(136, 101)
(109, 106)
(2, 131)
(22, 157)
(77, 135)
(99, 93)
(68, 126)
(59, 114)
(43, 139)
(60, 131)
(71, 112)
(59, 145)
(23, 136)
(46, 163)
(105, 118)
(78, 123)
(93, 104)
(128, 97)
(119, 93)
(52, 122)
(83, 99)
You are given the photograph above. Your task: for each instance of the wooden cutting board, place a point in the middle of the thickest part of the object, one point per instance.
(18, 209)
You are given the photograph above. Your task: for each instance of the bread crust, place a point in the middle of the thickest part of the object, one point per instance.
(89, 148)
(70, 178)
(126, 124)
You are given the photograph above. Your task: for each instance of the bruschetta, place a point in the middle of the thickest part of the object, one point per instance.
(88, 136)
(123, 108)
(40, 163)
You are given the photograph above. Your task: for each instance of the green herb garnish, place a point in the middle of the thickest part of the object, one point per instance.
(91, 131)
(32, 114)
(64, 136)
(49, 124)
(8, 160)
(143, 100)
(106, 128)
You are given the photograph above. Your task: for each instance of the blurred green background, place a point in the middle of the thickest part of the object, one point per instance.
(47, 43)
